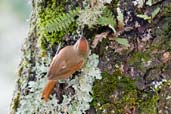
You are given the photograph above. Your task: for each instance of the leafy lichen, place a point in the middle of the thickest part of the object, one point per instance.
(72, 104)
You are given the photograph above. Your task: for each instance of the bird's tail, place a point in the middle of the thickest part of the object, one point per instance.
(48, 89)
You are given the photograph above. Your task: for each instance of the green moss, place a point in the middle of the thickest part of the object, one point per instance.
(148, 103)
(114, 3)
(15, 102)
(163, 33)
(166, 9)
(113, 92)
(52, 10)
(139, 58)
(117, 93)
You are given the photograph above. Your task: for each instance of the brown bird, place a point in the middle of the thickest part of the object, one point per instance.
(65, 63)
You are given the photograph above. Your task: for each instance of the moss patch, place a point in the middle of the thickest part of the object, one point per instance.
(117, 93)
(15, 104)
(47, 13)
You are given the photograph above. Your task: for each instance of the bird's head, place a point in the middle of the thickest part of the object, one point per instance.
(82, 46)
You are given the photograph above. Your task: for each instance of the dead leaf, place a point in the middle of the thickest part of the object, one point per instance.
(120, 19)
(166, 57)
(98, 38)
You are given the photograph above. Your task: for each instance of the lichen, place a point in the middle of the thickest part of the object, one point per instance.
(72, 104)
(89, 16)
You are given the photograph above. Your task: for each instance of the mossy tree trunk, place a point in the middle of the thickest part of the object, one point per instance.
(136, 75)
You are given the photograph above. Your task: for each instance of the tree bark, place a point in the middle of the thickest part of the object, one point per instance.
(136, 79)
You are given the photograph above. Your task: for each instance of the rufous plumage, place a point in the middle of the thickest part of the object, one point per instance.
(69, 60)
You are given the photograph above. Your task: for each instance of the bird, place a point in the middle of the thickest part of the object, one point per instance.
(69, 60)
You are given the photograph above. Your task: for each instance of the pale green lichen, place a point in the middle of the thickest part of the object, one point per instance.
(89, 16)
(96, 14)
(157, 85)
(72, 104)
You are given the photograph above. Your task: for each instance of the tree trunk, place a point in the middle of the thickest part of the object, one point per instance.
(127, 71)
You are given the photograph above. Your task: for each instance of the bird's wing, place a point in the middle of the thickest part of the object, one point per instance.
(56, 66)
(66, 72)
